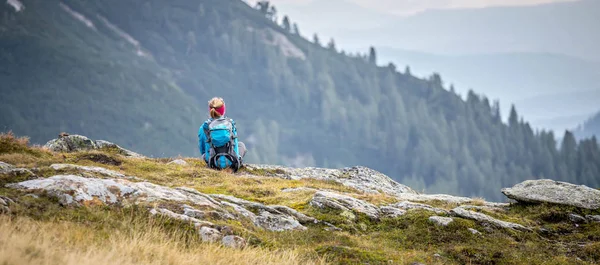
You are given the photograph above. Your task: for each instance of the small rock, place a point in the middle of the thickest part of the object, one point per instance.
(473, 231)
(277, 222)
(302, 218)
(234, 242)
(406, 205)
(441, 221)
(391, 212)
(210, 235)
(5, 166)
(123, 151)
(299, 189)
(180, 162)
(197, 223)
(551, 191)
(241, 210)
(7, 169)
(578, 219)
(593, 218)
(483, 218)
(436, 255)
(31, 195)
(324, 199)
(225, 230)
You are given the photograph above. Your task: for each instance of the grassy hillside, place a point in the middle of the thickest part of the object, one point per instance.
(39, 229)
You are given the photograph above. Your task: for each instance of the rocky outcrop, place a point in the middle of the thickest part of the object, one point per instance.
(193, 205)
(74, 143)
(483, 218)
(361, 178)
(441, 221)
(550, 191)
(324, 199)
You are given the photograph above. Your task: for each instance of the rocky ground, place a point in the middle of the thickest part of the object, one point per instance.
(346, 216)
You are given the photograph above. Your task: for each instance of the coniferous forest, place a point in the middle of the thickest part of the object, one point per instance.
(141, 71)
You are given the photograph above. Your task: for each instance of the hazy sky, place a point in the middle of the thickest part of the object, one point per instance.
(401, 7)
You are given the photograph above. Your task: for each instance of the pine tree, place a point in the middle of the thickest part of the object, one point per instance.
(286, 24)
(513, 118)
(295, 29)
(372, 55)
(331, 44)
(316, 39)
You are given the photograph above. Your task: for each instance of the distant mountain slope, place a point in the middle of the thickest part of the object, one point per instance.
(63, 71)
(563, 28)
(543, 86)
(110, 67)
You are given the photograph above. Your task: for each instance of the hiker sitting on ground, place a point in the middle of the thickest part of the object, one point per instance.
(217, 139)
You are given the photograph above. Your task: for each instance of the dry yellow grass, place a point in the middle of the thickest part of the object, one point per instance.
(24, 241)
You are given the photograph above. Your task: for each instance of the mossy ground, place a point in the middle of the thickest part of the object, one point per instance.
(403, 240)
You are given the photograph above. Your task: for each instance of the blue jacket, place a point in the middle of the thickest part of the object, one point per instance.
(204, 146)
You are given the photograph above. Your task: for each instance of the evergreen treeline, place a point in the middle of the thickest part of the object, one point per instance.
(298, 102)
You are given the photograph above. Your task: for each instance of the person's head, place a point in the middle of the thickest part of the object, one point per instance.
(216, 108)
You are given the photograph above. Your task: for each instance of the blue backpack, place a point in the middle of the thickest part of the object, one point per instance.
(222, 139)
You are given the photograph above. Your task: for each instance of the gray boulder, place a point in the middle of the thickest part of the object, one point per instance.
(324, 199)
(483, 218)
(391, 212)
(441, 221)
(71, 143)
(210, 235)
(277, 222)
(75, 143)
(550, 191)
(234, 242)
